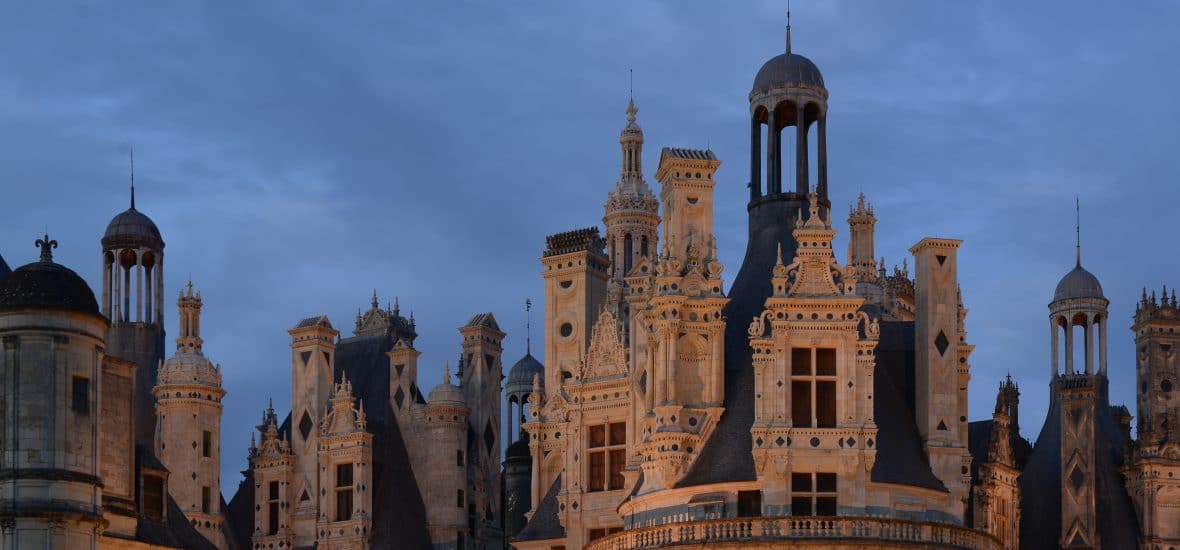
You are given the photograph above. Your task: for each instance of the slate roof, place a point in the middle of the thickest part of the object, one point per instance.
(46, 285)
(399, 516)
(483, 320)
(1040, 483)
(788, 69)
(131, 228)
(4, 270)
(321, 320)
(176, 531)
(690, 154)
(544, 525)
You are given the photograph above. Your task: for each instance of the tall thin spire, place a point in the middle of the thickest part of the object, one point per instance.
(1078, 229)
(528, 326)
(788, 27)
(631, 88)
(132, 178)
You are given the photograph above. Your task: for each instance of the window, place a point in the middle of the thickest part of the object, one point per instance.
(458, 457)
(153, 497)
(608, 455)
(205, 497)
(813, 387)
(81, 400)
(749, 504)
(595, 534)
(459, 499)
(813, 494)
(206, 443)
(343, 492)
(273, 506)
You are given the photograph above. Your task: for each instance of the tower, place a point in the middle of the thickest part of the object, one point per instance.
(480, 383)
(52, 356)
(133, 300)
(447, 491)
(861, 221)
(273, 464)
(1153, 475)
(575, 268)
(188, 423)
(942, 370)
(632, 212)
(997, 497)
(313, 347)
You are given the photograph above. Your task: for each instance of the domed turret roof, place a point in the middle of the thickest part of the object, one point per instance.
(520, 377)
(446, 393)
(46, 285)
(519, 449)
(1078, 283)
(788, 69)
(132, 227)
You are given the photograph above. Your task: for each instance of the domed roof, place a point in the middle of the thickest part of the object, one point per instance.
(132, 227)
(1078, 283)
(520, 377)
(189, 367)
(519, 449)
(445, 393)
(788, 69)
(47, 285)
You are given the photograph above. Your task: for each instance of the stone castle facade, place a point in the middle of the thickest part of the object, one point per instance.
(811, 402)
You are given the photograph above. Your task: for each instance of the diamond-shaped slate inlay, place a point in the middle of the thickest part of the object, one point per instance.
(489, 437)
(941, 343)
(305, 425)
(779, 441)
(400, 396)
(1076, 477)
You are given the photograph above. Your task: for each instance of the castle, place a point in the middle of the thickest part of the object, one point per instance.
(810, 402)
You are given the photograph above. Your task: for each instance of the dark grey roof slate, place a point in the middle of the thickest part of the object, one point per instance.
(239, 513)
(176, 531)
(544, 524)
(4, 270)
(691, 154)
(900, 458)
(788, 69)
(483, 320)
(46, 285)
(131, 228)
(321, 320)
(1040, 483)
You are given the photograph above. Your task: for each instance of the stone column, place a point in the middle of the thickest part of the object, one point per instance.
(138, 285)
(106, 286)
(773, 183)
(718, 376)
(1069, 346)
(1054, 329)
(671, 374)
(659, 370)
(802, 183)
(1089, 340)
(159, 288)
(126, 312)
(755, 157)
(821, 139)
(1102, 346)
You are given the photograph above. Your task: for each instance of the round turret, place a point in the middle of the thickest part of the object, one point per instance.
(789, 70)
(520, 377)
(47, 285)
(1078, 283)
(132, 228)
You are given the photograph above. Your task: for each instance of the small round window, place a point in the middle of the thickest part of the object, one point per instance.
(566, 329)
(1166, 386)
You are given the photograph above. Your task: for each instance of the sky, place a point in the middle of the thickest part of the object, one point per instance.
(297, 157)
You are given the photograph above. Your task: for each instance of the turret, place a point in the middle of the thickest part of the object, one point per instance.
(480, 383)
(632, 212)
(446, 498)
(188, 407)
(313, 349)
(272, 463)
(345, 515)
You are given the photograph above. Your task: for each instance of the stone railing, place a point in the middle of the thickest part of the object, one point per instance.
(740, 531)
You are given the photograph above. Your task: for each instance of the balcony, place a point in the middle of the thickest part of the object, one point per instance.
(827, 532)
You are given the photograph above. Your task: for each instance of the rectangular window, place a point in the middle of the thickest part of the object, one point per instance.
(458, 457)
(813, 387)
(153, 497)
(81, 397)
(608, 456)
(206, 443)
(459, 499)
(749, 504)
(813, 494)
(206, 495)
(343, 492)
(272, 525)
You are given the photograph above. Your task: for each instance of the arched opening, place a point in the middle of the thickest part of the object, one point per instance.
(149, 262)
(643, 246)
(628, 254)
(127, 262)
(813, 146)
(757, 158)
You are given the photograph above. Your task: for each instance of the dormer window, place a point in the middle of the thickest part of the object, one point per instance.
(153, 497)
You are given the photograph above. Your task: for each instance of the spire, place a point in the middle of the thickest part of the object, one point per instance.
(528, 326)
(397, 307)
(1078, 229)
(133, 178)
(788, 27)
(447, 373)
(46, 245)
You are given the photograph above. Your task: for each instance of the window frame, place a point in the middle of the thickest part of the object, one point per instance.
(606, 460)
(343, 490)
(80, 396)
(206, 444)
(812, 379)
(273, 495)
(814, 494)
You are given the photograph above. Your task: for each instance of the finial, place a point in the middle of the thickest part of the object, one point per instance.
(132, 178)
(631, 85)
(374, 302)
(1078, 228)
(528, 326)
(778, 260)
(447, 373)
(788, 27)
(46, 247)
(397, 307)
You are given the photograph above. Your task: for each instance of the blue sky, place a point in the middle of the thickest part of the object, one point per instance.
(296, 159)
